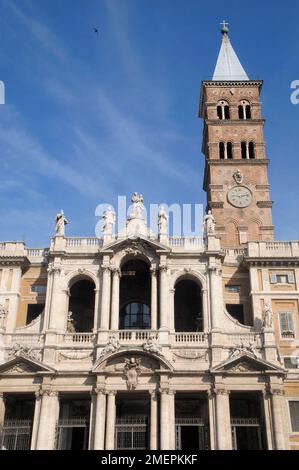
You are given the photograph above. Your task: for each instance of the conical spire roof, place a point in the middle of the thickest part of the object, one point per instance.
(228, 67)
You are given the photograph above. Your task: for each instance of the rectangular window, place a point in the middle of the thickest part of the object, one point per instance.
(291, 362)
(287, 327)
(284, 278)
(294, 413)
(233, 289)
(40, 289)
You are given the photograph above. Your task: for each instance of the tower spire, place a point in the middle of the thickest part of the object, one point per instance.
(228, 67)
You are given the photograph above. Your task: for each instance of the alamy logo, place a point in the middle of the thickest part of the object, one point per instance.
(295, 94)
(2, 92)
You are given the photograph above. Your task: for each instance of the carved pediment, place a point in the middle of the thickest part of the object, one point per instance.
(246, 363)
(135, 245)
(23, 365)
(115, 362)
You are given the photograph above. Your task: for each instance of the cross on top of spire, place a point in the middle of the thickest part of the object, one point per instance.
(225, 26)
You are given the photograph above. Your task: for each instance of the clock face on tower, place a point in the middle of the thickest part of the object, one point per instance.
(239, 196)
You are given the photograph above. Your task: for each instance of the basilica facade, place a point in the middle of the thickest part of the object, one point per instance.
(142, 340)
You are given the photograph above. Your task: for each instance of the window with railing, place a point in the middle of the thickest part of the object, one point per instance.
(287, 325)
(16, 434)
(131, 432)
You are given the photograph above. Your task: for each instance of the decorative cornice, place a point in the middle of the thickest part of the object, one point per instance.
(233, 83)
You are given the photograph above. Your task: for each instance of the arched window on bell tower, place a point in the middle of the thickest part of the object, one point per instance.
(229, 150)
(248, 150)
(221, 150)
(244, 150)
(223, 110)
(251, 149)
(225, 150)
(244, 110)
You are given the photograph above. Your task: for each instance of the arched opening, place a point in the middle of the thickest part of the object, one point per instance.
(251, 150)
(221, 150)
(135, 296)
(188, 315)
(81, 306)
(223, 112)
(244, 150)
(229, 150)
(244, 110)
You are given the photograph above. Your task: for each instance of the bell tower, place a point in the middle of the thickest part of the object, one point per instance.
(236, 166)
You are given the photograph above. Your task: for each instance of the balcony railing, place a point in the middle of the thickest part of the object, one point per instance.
(32, 339)
(273, 249)
(79, 338)
(187, 243)
(135, 336)
(190, 338)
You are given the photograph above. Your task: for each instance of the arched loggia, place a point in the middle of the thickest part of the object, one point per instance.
(135, 296)
(81, 306)
(188, 312)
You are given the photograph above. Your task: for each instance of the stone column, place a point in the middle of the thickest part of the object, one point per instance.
(164, 420)
(216, 298)
(171, 406)
(267, 417)
(163, 298)
(154, 299)
(100, 415)
(115, 299)
(96, 310)
(54, 271)
(13, 297)
(110, 421)
(154, 422)
(223, 424)
(205, 310)
(277, 405)
(36, 419)
(105, 300)
(171, 315)
(212, 424)
(48, 420)
(2, 409)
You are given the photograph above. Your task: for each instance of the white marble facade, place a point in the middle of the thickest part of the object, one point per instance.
(158, 365)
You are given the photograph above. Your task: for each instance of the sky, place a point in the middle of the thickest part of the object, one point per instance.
(92, 116)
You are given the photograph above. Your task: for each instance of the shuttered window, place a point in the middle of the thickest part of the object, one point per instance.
(294, 412)
(287, 327)
(276, 278)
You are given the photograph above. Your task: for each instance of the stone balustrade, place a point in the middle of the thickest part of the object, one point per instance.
(78, 338)
(273, 249)
(135, 336)
(190, 338)
(26, 339)
(186, 243)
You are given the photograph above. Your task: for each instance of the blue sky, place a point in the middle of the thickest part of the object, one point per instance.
(91, 117)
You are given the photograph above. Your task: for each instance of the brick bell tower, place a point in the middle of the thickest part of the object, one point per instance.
(236, 167)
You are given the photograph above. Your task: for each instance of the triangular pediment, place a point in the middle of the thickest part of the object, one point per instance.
(247, 363)
(23, 365)
(135, 244)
